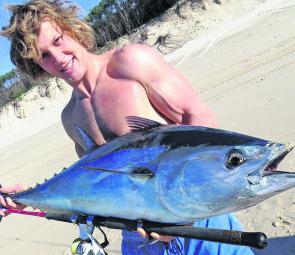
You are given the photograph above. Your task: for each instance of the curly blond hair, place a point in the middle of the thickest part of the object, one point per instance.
(24, 25)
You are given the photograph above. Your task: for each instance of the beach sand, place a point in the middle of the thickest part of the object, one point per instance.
(245, 75)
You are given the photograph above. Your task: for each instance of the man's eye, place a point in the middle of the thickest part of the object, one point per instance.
(58, 39)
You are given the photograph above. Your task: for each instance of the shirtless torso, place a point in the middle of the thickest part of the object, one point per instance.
(103, 114)
(118, 94)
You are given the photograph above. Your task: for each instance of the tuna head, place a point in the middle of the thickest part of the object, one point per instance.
(219, 172)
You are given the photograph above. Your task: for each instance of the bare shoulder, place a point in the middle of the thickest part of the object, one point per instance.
(135, 51)
(127, 60)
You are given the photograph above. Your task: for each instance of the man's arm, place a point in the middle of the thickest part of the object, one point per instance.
(66, 119)
(167, 89)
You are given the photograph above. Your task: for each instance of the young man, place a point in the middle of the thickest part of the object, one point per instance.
(47, 37)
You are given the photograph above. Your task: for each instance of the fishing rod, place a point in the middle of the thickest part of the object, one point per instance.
(253, 239)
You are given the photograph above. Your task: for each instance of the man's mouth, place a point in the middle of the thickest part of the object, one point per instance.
(68, 66)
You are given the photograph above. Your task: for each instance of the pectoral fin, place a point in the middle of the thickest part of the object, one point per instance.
(137, 172)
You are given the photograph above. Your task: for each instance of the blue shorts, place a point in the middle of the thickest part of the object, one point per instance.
(184, 246)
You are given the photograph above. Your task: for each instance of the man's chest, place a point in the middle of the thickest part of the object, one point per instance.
(111, 102)
(114, 97)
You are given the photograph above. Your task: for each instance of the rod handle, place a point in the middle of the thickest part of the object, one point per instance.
(253, 239)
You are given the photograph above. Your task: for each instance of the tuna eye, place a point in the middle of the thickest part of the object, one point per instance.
(234, 159)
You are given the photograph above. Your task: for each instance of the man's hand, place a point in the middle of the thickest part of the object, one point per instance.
(7, 202)
(156, 236)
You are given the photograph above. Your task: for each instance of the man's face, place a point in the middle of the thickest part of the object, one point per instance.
(62, 56)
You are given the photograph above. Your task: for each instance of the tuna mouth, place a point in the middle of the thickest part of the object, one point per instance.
(270, 167)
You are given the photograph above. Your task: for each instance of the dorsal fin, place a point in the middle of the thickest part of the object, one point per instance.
(86, 142)
(138, 124)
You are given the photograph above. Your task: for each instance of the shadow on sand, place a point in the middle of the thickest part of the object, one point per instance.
(279, 245)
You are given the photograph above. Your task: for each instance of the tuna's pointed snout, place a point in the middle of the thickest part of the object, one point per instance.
(270, 180)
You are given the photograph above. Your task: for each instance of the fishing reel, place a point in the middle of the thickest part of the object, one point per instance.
(86, 247)
(86, 244)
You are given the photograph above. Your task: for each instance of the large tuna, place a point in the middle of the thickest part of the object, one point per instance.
(166, 173)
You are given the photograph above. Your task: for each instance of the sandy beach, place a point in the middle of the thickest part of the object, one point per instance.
(243, 68)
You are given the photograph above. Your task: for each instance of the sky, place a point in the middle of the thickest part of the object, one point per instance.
(5, 64)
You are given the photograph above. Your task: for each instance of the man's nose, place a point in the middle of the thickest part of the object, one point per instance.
(58, 58)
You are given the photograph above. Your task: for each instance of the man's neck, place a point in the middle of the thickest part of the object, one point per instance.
(86, 87)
